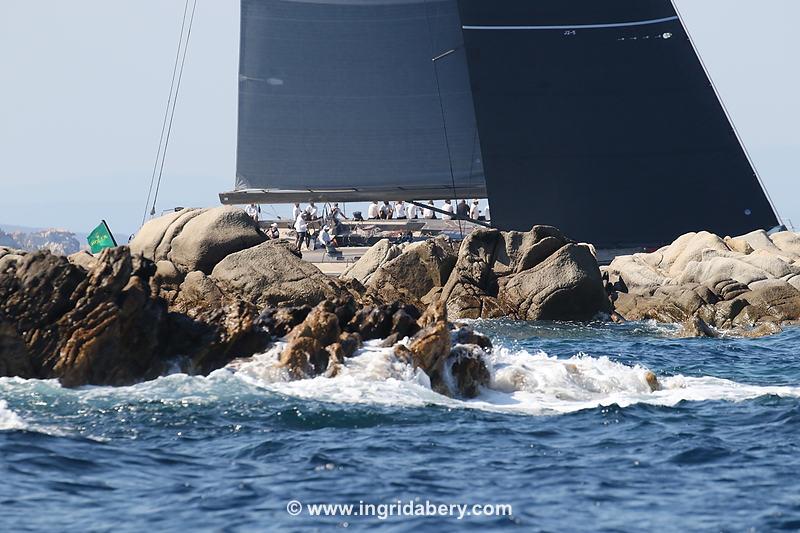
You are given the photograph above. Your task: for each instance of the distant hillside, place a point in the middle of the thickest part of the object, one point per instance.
(60, 242)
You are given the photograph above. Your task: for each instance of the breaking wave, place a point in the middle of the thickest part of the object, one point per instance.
(9, 420)
(521, 382)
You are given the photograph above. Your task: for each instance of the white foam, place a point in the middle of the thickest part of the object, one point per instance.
(9, 420)
(521, 383)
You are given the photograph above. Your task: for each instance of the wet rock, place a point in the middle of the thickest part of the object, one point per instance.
(320, 324)
(279, 321)
(453, 371)
(350, 343)
(697, 327)
(468, 370)
(305, 357)
(382, 321)
(467, 335)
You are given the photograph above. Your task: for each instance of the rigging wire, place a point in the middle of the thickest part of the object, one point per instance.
(166, 111)
(444, 119)
(174, 105)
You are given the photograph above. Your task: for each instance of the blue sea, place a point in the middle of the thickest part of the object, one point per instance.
(569, 437)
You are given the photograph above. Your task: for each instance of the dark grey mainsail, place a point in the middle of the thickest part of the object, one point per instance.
(598, 117)
(338, 99)
(595, 116)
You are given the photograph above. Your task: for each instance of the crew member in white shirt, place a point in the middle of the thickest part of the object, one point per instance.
(486, 215)
(301, 227)
(372, 212)
(448, 206)
(474, 211)
(328, 239)
(412, 211)
(296, 211)
(254, 211)
(312, 211)
(400, 210)
(430, 214)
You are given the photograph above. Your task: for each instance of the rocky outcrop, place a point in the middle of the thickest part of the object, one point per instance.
(103, 326)
(211, 257)
(273, 274)
(537, 275)
(417, 274)
(452, 358)
(197, 239)
(747, 285)
(455, 368)
(378, 254)
(412, 273)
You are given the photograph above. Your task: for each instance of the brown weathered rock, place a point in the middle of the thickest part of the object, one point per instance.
(279, 321)
(538, 275)
(431, 350)
(382, 321)
(468, 370)
(103, 326)
(420, 268)
(320, 324)
(83, 259)
(467, 335)
(305, 357)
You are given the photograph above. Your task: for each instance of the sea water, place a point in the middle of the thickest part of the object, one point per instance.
(568, 436)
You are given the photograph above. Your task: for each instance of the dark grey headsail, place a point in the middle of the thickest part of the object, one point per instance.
(338, 100)
(595, 116)
(599, 118)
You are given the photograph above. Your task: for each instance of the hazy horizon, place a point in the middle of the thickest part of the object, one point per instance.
(87, 85)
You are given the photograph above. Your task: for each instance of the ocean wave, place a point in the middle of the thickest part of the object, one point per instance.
(521, 382)
(9, 420)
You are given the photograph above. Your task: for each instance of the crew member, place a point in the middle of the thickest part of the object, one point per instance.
(462, 209)
(295, 211)
(475, 211)
(413, 211)
(312, 211)
(430, 214)
(336, 213)
(273, 232)
(400, 210)
(372, 212)
(386, 212)
(254, 211)
(301, 227)
(328, 239)
(448, 206)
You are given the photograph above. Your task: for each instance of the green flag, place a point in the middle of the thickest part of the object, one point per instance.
(101, 238)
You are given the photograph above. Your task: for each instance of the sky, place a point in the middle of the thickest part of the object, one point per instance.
(85, 83)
